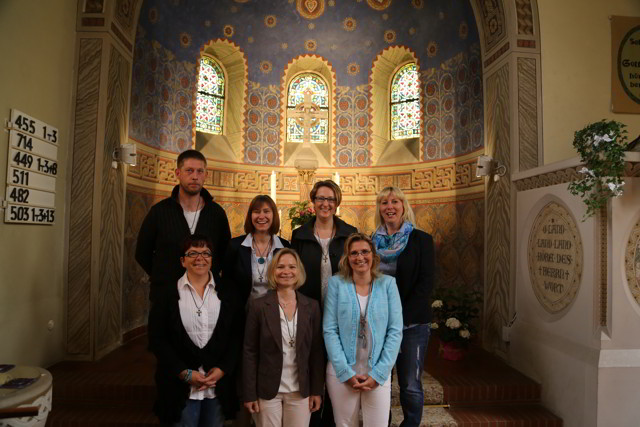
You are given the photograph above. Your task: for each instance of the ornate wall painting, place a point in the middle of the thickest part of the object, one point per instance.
(625, 67)
(555, 258)
(632, 262)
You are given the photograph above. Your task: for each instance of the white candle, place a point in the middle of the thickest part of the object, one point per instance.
(273, 185)
(336, 179)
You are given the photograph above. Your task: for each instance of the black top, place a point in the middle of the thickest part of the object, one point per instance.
(175, 352)
(304, 242)
(236, 269)
(414, 277)
(165, 227)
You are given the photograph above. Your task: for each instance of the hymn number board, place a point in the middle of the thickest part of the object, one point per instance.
(32, 168)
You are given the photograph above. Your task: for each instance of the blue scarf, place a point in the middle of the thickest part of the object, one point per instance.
(390, 247)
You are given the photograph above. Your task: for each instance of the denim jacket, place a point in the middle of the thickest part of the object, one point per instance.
(340, 326)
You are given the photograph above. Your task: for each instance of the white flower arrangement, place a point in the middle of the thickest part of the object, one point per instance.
(454, 310)
(601, 146)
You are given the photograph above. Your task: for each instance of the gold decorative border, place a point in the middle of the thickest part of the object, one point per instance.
(631, 169)
(157, 167)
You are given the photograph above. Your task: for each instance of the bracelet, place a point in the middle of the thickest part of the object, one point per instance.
(187, 376)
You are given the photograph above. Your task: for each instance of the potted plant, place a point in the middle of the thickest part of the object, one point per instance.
(454, 310)
(601, 146)
(300, 213)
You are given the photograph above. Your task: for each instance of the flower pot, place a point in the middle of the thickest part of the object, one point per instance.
(451, 351)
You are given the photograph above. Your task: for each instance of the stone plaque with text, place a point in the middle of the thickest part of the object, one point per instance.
(632, 262)
(555, 257)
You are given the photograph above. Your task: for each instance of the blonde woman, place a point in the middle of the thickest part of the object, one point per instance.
(407, 254)
(362, 326)
(283, 363)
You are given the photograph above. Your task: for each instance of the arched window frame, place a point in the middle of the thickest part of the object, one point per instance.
(222, 97)
(326, 107)
(417, 131)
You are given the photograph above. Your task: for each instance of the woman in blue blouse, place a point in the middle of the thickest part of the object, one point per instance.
(362, 326)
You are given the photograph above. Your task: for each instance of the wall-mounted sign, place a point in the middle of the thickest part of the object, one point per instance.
(555, 257)
(32, 167)
(625, 69)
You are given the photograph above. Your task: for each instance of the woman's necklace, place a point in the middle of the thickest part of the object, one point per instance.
(325, 254)
(261, 257)
(362, 335)
(291, 334)
(260, 254)
(204, 299)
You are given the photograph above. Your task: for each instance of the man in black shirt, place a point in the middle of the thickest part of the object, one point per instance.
(189, 210)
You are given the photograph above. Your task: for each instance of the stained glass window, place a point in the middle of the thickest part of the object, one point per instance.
(405, 103)
(301, 116)
(210, 98)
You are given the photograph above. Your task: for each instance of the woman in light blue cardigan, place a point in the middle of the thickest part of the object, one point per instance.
(362, 331)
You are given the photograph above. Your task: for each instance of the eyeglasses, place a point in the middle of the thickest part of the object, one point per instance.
(364, 253)
(205, 255)
(321, 199)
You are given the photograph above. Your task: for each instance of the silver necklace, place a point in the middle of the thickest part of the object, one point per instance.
(204, 299)
(362, 335)
(292, 335)
(195, 217)
(325, 254)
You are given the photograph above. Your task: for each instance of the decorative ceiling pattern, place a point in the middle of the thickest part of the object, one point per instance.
(348, 33)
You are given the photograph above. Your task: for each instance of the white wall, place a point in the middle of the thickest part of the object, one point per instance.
(575, 41)
(36, 77)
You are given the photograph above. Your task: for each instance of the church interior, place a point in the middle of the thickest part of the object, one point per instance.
(509, 79)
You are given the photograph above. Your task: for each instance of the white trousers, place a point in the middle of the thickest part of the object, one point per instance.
(284, 410)
(346, 403)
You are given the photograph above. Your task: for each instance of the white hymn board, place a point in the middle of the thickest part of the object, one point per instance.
(32, 168)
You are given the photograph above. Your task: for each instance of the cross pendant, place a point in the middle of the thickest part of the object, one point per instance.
(260, 278)
(199, 312)
(324, 258)
(291, 343)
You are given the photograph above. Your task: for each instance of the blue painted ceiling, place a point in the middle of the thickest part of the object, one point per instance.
(435, 32)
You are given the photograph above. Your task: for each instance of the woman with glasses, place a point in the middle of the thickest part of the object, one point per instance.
(191, 333)
(320, 241)
(283, 364)
(407, 254)
(362, 326)
(247, 257)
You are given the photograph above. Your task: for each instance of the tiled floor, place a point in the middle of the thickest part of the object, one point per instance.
(119, 391)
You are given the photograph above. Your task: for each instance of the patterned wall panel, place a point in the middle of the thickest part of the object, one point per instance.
(352, 127)
(454, 115)
(135, 282)
(493, 22)
(161, 97)
(82, 173)
(108, 302)
(262, 144)
(525, 17)
(497, 287)
(527, 114)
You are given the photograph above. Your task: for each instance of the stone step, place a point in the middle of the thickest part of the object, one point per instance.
(433, 391)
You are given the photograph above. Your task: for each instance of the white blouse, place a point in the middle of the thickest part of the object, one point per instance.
(289, 382)
(199, 327)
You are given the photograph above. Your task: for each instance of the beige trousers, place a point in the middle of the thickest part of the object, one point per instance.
(284, 410)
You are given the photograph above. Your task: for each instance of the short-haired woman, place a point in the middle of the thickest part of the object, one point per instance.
(247, 257)
(283, 361)
(191, 333)
(408, 255)
(320, 241)
(362, 327)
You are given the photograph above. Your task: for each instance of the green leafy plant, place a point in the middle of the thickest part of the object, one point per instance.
(300, 213)
(601, 146)
(454, 310)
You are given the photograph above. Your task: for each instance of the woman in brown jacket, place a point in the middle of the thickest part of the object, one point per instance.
(283, 375)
